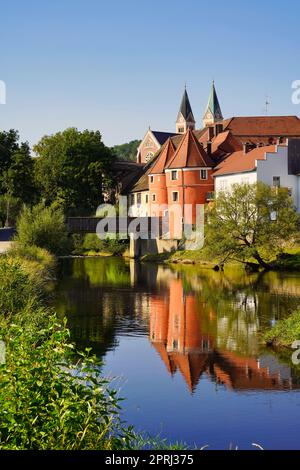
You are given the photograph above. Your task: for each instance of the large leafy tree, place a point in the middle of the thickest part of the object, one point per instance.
(251, 222)
(73, 169)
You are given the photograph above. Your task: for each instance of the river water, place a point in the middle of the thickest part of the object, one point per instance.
(182, 345)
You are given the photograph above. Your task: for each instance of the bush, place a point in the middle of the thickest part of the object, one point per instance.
(91, 243)
(43, 227)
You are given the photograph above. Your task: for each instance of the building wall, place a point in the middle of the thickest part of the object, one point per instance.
(191, 189)
(157, 191)
(141, 209)
(276, 164)
(225, 182)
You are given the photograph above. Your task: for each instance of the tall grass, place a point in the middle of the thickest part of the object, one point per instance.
(50, 397)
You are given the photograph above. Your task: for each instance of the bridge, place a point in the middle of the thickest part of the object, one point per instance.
(150, 230)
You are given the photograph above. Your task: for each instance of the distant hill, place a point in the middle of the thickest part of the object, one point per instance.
(127, 151)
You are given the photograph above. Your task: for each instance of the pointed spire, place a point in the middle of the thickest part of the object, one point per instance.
(185, 117)
(190, 153)
(185, 107)
(163, 159)
(213, 111)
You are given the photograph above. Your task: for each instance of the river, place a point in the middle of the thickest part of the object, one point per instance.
(182, 346)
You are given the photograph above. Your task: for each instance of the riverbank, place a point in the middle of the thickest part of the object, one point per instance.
(285, 332)
(289, 260)
(42, 372)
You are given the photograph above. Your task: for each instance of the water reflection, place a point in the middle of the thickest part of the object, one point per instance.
(200, 323)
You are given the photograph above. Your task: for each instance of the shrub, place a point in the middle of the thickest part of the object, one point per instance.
(43, 227)
(49, 398)
(92, 243)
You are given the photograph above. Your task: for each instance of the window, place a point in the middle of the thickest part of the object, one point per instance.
(149, 156)
(132, 199)
(175, 196)
(203, 174)
(276, 181)
(175, 344)
(139, 198)
(174, 175)
(153, 197)
(151, 179)
(290, 192)
(147, 198)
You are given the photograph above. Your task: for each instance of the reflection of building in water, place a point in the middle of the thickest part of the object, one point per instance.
(178, 335)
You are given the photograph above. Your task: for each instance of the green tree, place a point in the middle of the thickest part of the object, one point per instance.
(18, 180)
(43, 227)
(8, 146)
(73, 169)
(251, 221)
(126, 151)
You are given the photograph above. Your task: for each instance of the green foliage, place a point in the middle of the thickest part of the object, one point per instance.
(126, 151)
(16, 168)
(50, 398)
(285, 331)
(73, 169)
(10, 208)
(43, 227)
(91, 244)
(239, 225)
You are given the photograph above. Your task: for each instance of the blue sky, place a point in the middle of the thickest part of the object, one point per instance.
(119, 66)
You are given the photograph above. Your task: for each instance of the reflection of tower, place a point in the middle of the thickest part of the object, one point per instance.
(178, 334)
(175, 332)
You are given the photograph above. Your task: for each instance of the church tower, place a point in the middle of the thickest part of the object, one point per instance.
(213, 113)
(185, 119)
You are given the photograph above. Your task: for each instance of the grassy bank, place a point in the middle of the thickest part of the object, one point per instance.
(91, 245)
(285, 332)
(289, 260)
(51, 398)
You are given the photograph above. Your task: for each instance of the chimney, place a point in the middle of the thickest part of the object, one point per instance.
(246, 148)
(208, 148)
(219, 129)
(211, 133)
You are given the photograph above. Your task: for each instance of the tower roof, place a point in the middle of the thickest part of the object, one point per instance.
(190, 154)
(213, 106)
(185, 108)
(165, 156)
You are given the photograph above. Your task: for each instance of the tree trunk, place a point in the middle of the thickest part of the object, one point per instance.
(261, 262)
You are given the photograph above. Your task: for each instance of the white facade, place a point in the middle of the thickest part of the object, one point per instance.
(225, 182)
(274, 165)
(139, 204)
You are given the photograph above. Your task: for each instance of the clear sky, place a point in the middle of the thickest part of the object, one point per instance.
(120, 66)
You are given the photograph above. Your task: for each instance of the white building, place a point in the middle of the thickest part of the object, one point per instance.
(275, 165)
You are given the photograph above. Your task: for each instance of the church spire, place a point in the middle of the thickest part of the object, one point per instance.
(213, 111)
(185, 118)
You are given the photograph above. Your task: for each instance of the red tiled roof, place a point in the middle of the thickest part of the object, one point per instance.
(239, 162)
(190, 154)
(165, 156)
(225, 142)
(263, 126)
